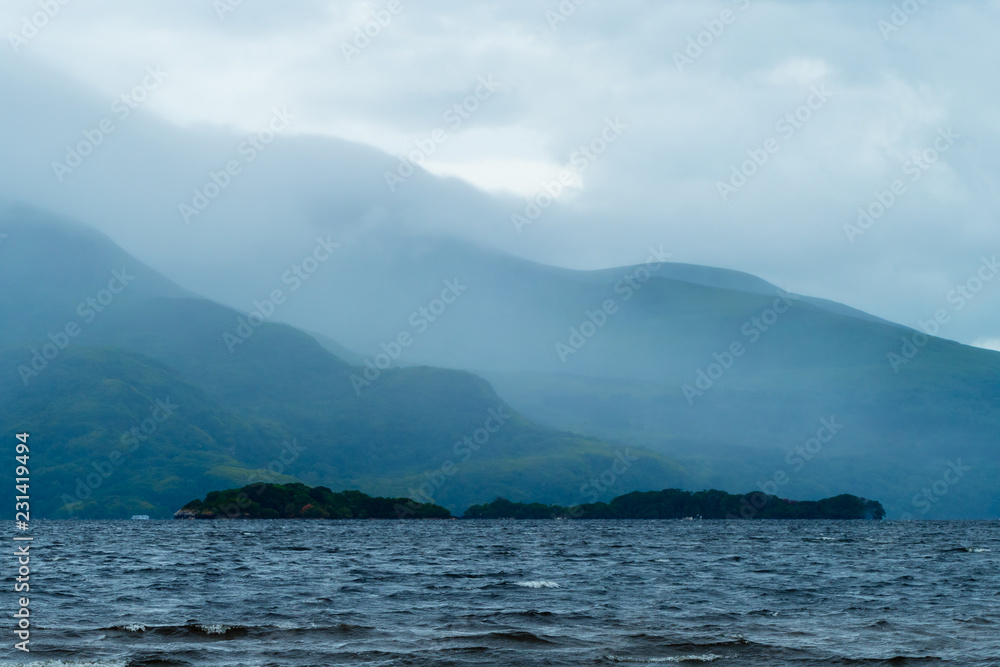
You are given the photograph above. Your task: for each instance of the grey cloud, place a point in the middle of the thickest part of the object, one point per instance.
(657, 185)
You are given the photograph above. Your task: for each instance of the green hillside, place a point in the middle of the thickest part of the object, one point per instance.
(657, 371)
(115, 434)
(810, 408)
(278, 407)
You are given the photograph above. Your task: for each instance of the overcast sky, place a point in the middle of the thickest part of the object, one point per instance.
(682, 92)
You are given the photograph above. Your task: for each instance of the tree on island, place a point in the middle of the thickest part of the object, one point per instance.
(677, 504)
(298, 501)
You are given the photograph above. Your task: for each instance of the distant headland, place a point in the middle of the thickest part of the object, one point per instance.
(298, 501)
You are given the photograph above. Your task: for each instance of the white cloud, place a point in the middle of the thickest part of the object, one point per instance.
(802, 72)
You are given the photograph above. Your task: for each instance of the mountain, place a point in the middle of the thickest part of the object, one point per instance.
(918, 433)
(643, 355)
(137, 399)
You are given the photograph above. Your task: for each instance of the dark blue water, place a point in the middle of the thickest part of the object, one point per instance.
(513, 593)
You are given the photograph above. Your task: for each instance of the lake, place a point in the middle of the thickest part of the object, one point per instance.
(511, 593)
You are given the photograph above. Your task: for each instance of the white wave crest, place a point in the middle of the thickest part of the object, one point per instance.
(708, 657)
(215, 629)
(537, 584)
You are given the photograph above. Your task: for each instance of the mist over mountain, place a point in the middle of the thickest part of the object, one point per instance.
(644, 355)
(397, 300)
(693, 384)
(145, 182)
(137, 402)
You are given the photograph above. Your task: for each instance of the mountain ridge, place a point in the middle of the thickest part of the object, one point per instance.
(625, 388)
(281, 390)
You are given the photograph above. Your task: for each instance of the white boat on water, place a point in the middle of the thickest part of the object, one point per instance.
(140, 517)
